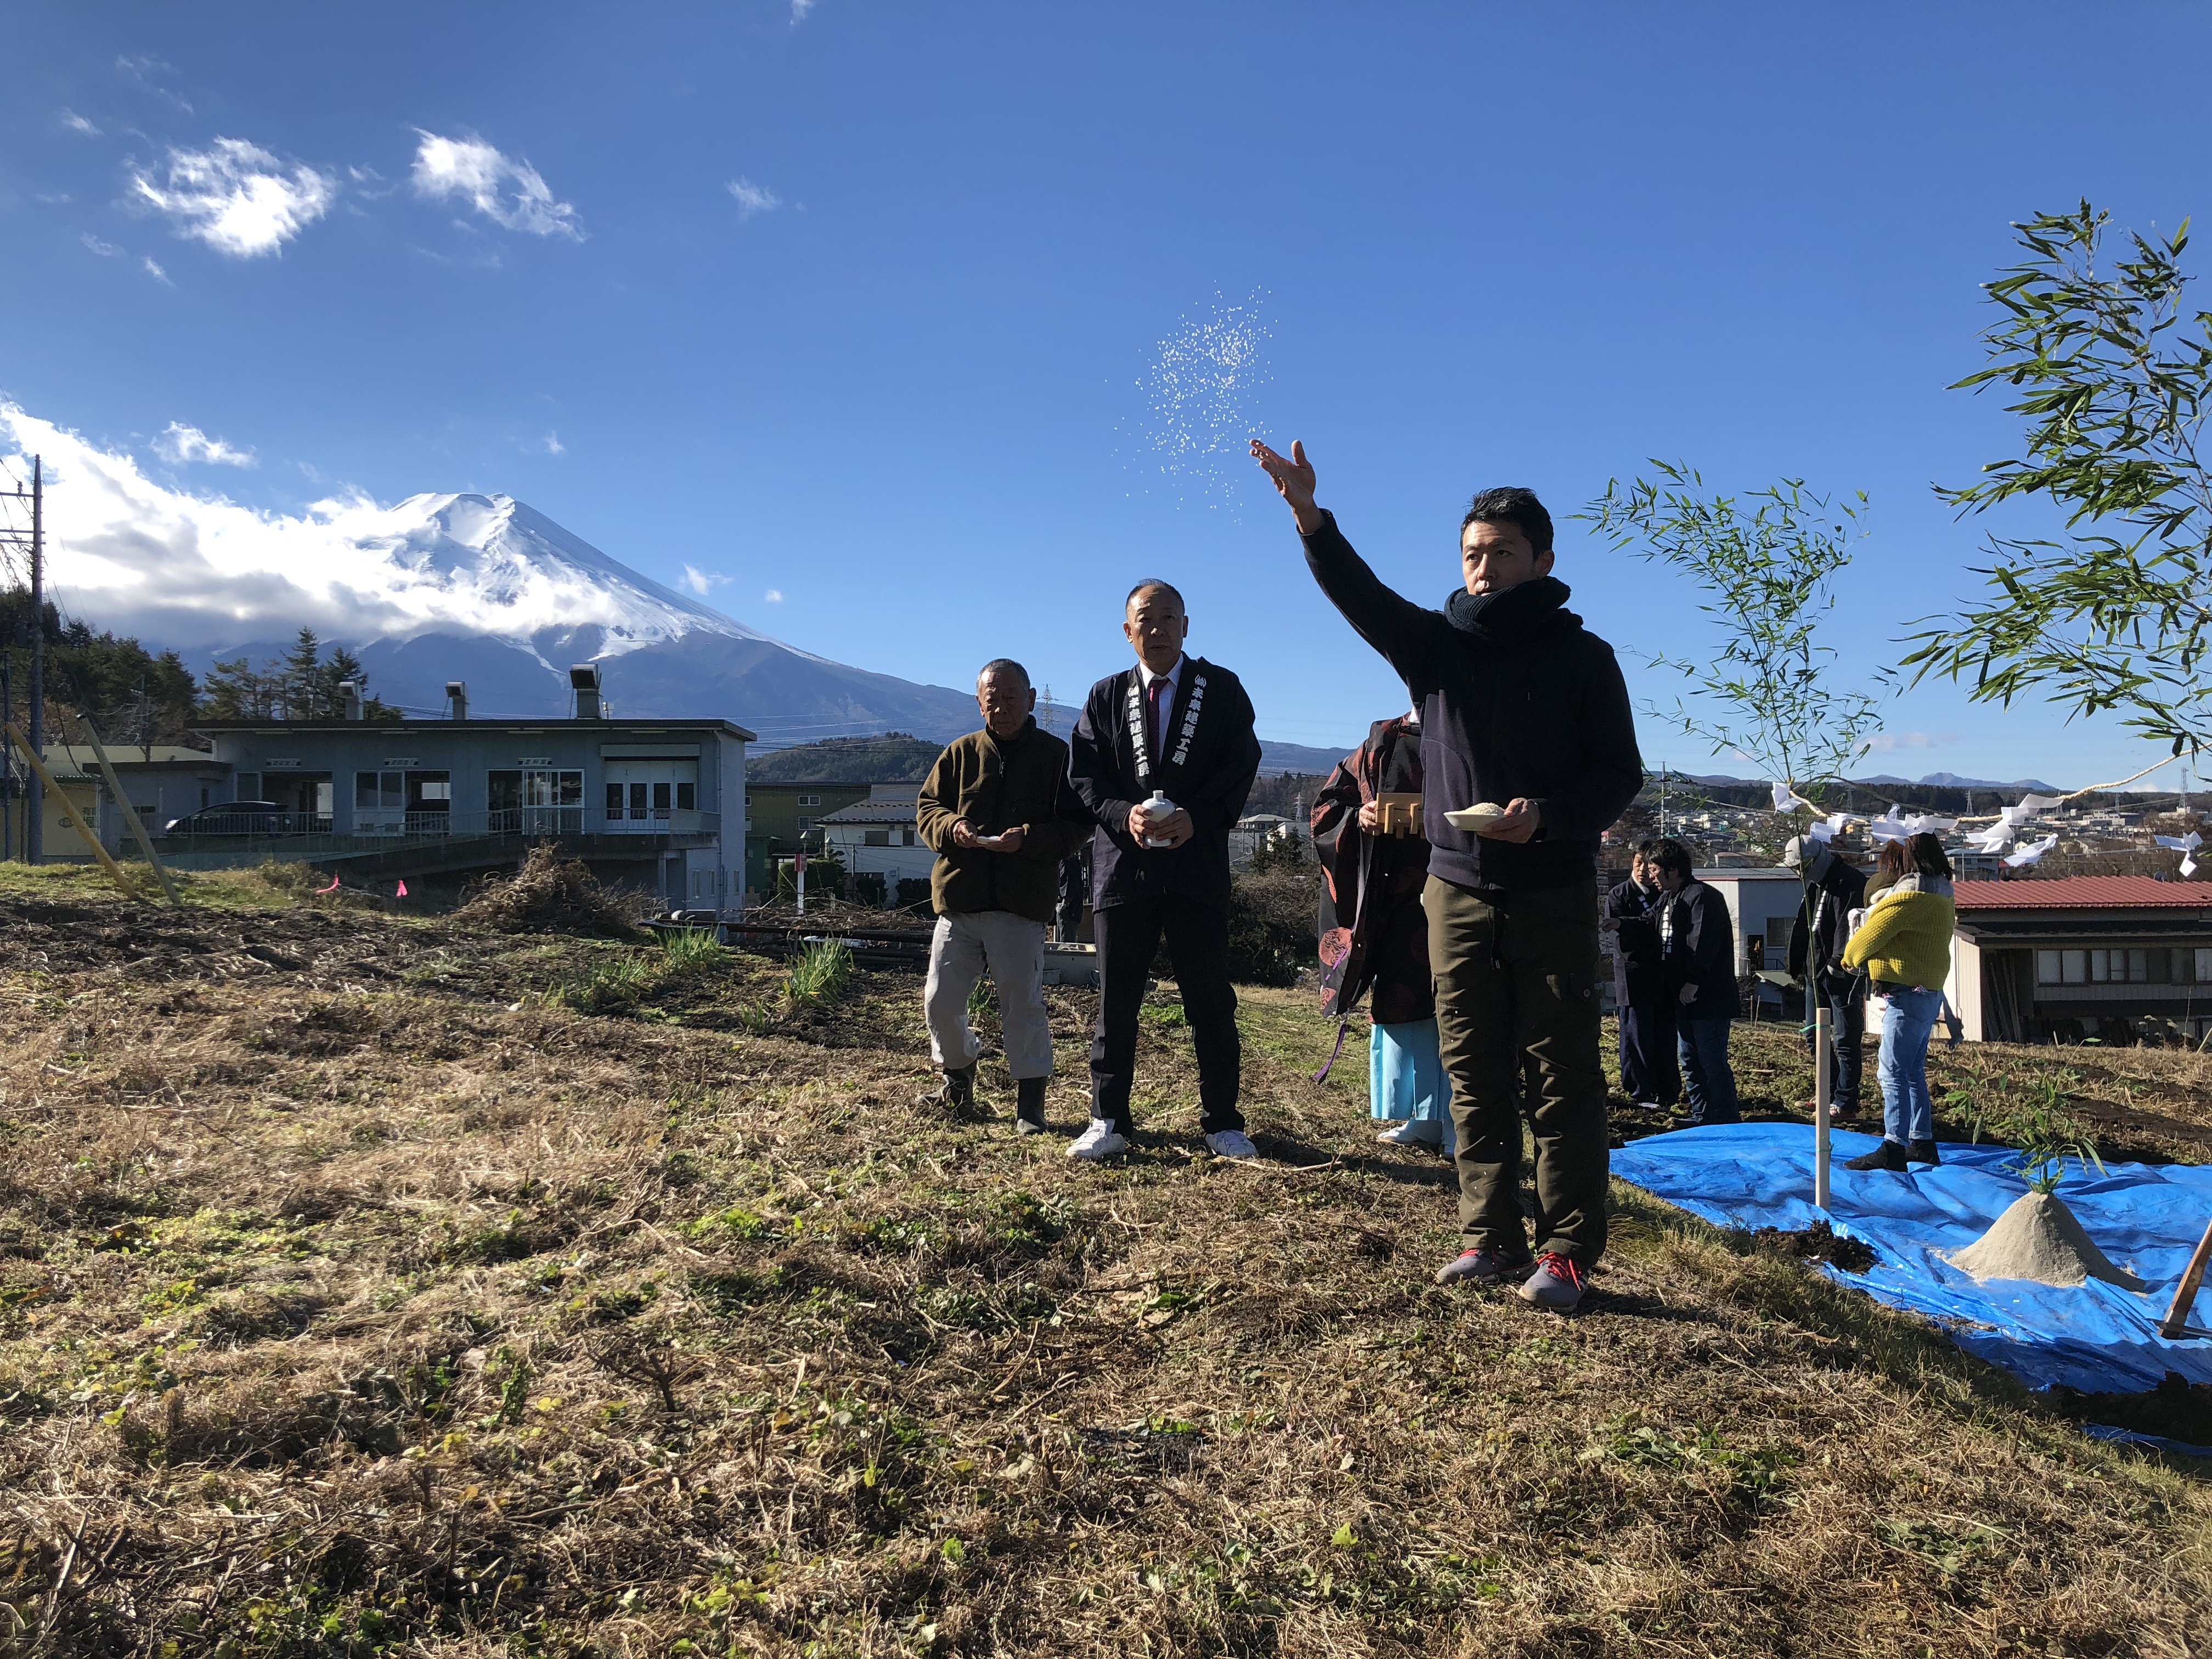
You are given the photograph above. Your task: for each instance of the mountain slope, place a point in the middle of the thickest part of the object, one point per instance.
(488, 590)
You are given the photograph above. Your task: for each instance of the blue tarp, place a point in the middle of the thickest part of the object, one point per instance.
(2094, 1336)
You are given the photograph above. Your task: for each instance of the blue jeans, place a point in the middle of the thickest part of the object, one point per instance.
(1703, 1046)
(1908, 1113)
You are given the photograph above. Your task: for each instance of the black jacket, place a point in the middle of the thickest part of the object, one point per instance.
(1637, 978)
(1823, 918)
(1702, 954)
(1531, 705)
(1209, 783)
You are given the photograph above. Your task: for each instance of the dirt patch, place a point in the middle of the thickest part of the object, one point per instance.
(2176, 1409)
(1818, 1242)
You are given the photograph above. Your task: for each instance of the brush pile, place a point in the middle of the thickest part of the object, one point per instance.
(550, 894)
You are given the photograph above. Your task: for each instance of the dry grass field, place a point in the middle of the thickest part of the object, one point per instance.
(371, 1286)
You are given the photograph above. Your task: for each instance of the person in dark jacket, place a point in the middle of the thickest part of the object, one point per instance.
(997, 811)
(1524, 709)
(1641, 1000)
(1163, 757)
(1374, 872)
(1833, 889)
(1698, 957)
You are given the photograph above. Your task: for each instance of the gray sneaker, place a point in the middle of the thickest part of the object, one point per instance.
(1556, 1284)
(1485, 1266)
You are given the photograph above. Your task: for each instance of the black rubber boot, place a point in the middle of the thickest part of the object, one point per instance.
(1921, 1151)
(956, 1094)
(1029, 1105)
(1887, 1155)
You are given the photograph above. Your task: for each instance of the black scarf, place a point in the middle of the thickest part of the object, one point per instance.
(1508, 617)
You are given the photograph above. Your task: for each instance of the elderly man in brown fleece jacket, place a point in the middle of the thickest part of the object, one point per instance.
(998, 812)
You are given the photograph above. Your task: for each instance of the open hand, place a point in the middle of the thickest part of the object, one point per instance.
(1523, 817)
(1294, 479)
(1370, 814)
(1010, 841)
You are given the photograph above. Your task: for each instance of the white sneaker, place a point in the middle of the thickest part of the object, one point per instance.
(1230, 1143)
(1098, 1143)
(1411, 1132)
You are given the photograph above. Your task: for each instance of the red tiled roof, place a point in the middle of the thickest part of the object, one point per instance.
(2084, 893)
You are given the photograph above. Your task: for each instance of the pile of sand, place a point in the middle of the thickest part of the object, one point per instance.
(2037, 1237)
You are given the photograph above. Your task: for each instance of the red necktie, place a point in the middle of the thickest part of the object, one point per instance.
(1153, 694)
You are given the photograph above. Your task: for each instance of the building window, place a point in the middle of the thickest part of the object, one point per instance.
(805, 824)
(2204, 965)
(536, 799)
(875, 838)
(808, 800)
(906, 837)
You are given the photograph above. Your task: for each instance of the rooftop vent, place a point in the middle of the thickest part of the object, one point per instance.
(584, 680)
(457, 699)
(349, 695)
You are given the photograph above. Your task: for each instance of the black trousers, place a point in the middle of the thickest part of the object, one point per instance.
(1648, 1068)
(1845, 996)
(1128, 935)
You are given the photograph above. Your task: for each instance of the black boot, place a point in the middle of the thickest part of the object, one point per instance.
(1921, 1151)
(1887, 1155)
(956, 1094)
(1029, 1105)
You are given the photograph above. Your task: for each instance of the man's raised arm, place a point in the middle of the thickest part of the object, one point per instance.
(1406, 634)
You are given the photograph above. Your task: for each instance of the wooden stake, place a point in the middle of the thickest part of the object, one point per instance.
(130, 812)
(2176, 1322)
(70, 811)
(1822, 1043)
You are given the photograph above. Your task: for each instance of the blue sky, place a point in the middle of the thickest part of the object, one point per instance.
(856, 304)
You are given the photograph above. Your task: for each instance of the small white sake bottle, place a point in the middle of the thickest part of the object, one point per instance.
(1159, 807)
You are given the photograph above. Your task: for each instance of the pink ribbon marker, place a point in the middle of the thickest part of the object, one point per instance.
(403, 890)
(332, 888)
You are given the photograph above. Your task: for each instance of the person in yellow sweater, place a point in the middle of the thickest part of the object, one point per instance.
(1904, 947)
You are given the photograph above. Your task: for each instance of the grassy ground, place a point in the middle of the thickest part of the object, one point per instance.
(369, 1286)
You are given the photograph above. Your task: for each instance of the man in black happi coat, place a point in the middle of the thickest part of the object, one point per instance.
(1177, 725)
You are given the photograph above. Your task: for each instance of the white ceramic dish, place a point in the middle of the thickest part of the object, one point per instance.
(1476, 818)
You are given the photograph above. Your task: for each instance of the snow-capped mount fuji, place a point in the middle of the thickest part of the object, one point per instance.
(488, 590)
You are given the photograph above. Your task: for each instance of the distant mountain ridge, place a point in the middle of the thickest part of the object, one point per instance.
(1933, 780)
(488, 590)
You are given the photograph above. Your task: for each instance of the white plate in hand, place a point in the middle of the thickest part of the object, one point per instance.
(1477, 818)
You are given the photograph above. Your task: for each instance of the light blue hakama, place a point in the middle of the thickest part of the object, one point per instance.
(1405, 1076)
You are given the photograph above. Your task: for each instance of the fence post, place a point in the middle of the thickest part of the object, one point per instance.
(1823, 1037)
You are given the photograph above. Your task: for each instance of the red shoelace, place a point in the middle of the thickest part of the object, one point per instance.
(1564, 1265)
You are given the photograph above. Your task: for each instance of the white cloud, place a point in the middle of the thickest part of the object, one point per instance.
(183, 444)
(1889, 742)
(773, 596)
(799, 10)
(76, 123)
(702, 581)
(197, 571)
(505, 190)
(554, 446)
(237, 197)
(752, 198)
(143, 70)
(154, 270)
(105, 249)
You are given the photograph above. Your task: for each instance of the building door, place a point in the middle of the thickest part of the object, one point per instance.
(651, 797)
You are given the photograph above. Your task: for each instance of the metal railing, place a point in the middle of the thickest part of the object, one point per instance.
(307, 837)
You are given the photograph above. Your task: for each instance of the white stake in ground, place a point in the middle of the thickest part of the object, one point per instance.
(1821, 1039)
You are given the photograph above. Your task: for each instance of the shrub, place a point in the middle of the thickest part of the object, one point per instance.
(819, 972)
(1273, 925)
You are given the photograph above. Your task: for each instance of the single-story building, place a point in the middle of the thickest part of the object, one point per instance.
(653, 804)
(875, 838)
(2113, 958)
(163, 780)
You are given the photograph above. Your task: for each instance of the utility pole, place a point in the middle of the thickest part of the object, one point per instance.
(34, 790)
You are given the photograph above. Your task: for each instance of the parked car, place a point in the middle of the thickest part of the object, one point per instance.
(233, 817)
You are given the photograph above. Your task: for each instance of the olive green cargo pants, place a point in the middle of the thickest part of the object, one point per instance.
(1517, 982)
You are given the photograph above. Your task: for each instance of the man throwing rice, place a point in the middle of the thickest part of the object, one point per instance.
(1520, 705)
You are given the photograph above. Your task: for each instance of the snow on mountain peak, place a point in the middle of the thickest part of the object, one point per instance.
(132, 553)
